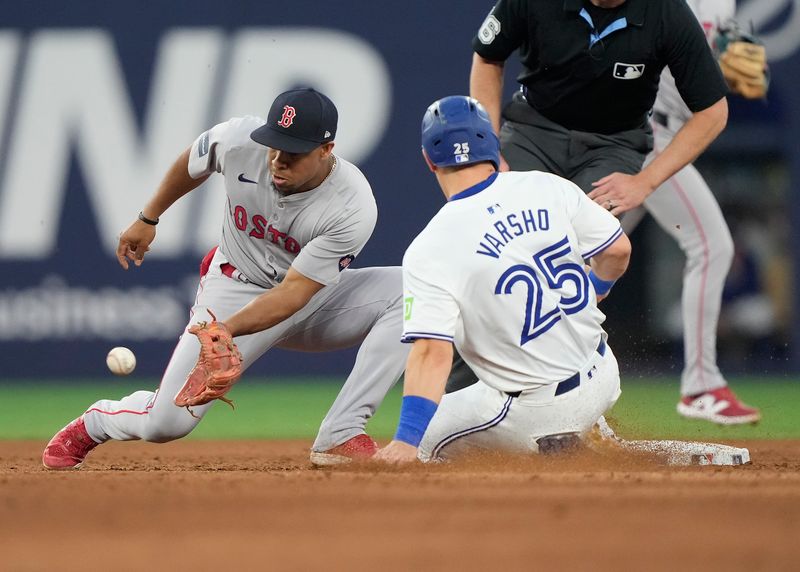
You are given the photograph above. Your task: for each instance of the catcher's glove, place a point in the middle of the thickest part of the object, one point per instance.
(743, 61)
(218, 367)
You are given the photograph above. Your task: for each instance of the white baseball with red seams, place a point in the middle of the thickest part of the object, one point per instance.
(121, 361)
(687, 210)
(317, 232)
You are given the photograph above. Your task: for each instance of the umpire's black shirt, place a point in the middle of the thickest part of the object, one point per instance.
(594, 69)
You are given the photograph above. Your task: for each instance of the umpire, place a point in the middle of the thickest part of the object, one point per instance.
(590, 72)
(589, 78)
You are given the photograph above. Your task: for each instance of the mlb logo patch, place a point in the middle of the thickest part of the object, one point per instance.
(462, 158)
(628, 71)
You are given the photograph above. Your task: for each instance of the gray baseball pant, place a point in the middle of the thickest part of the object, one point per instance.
(365, 308)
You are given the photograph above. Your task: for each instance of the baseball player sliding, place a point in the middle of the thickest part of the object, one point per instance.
(296, 217)
(499, 272)
(687, 210)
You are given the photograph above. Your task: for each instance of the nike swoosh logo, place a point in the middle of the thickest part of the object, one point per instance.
(244, 179)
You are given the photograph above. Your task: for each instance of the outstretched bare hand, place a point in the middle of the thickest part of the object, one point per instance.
(397, 452)
(134, 242)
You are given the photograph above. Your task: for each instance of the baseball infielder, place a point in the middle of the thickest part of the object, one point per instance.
(499, 272)
(687, 210)
(296, 217)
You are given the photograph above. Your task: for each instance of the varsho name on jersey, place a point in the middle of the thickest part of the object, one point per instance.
(504, 231)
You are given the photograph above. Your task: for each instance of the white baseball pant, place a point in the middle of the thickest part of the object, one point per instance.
(481, 418)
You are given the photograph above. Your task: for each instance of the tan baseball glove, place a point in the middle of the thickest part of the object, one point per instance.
(218, 367)
(743, 61)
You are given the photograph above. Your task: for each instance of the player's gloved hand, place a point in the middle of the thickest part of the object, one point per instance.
(397, 452)
(218, 367)
(134, 242)
(743, 61)
(618, 192)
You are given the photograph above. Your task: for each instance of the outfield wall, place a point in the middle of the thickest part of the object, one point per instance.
(98, 97)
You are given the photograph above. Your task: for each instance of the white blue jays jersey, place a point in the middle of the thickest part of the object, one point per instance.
(317, 232)
(499, 271)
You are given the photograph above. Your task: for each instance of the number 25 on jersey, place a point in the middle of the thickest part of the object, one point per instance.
(563, 277)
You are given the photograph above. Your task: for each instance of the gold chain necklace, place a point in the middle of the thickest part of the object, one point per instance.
(328, 176)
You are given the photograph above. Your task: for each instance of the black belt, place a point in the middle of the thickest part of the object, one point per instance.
(661, 118)
(572, 381)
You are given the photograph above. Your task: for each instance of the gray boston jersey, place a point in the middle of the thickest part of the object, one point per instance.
(318, 232)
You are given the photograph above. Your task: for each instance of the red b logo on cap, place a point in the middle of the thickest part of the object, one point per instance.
(288, 116)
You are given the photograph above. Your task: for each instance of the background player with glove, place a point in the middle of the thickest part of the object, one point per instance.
(687, 210)
(296, 217)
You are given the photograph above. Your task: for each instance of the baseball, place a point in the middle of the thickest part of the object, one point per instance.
(121, 361)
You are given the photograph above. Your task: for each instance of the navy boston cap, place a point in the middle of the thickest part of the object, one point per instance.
(298, 121)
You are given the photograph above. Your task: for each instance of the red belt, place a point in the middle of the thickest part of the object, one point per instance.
(227, 269)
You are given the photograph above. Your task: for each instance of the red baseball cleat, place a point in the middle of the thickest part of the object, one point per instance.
(718, 406)
(68, 448)
(359, 448)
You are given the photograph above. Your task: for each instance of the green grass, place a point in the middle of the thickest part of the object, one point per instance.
(647, 410)
(294, 409)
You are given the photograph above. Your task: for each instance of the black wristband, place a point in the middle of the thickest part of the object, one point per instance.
(146, 220)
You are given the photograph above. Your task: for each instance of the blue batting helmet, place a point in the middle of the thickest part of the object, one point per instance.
(456, 130)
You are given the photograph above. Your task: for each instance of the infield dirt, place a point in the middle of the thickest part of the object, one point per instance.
(211, 505)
